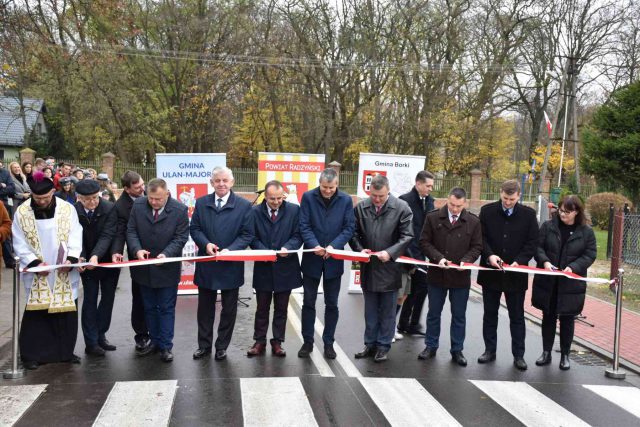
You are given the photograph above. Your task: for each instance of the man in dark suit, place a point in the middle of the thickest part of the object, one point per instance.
(221, 222)
(133, 186)
(275, 227)
(420, 202)
(510, 236)
(99, 221)
(450, 235)
(158, 228)
(326, 221)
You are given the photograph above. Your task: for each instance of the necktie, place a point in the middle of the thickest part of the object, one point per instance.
(90, 215)
(273, 215)
(155, 214)
(507, 212)
(454, 219)
(424, 204)
(378, 210)
(219, 204)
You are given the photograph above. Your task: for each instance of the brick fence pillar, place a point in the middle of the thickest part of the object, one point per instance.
(108, 163)
(546, 185)
(476, 184)
(335, 165)
(27, 155)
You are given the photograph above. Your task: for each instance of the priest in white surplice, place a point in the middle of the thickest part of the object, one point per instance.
(46, 231)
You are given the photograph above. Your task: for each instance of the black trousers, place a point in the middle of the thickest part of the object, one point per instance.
(96, 316)
(207, 316)
(412, 307)
(138, 322)
(279, 324)
(549, 321)
(515, 306)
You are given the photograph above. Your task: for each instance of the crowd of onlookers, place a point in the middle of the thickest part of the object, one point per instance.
(15, 189)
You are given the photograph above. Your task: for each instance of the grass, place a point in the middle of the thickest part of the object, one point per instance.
(601, 240)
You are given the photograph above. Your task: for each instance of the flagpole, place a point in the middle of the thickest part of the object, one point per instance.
(564, 135)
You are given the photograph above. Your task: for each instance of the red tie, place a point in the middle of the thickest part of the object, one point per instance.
(378, 210)
(454, 219)
(155, 214)
(273, 215)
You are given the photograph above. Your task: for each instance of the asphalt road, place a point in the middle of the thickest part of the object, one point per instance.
(121, 389)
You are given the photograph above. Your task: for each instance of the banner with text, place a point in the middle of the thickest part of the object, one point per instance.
(400, 170)
(297, 172)
(188, 176)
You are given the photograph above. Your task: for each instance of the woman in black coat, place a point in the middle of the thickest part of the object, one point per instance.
(565, 243)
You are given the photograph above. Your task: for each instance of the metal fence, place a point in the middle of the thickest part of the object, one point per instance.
(627, 245)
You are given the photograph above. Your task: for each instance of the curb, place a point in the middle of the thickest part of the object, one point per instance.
(605, 354)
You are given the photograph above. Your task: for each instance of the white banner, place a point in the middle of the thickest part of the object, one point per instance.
(188, 176)
(400, 170)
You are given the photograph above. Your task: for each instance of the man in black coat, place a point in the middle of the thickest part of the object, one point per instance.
(510, 235)
(158, 228)
(275, 227)
(420, 202)
(98, 219)
(383, 227)
(133, 186)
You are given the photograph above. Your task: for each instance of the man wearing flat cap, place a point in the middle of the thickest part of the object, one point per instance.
(99, 223)
(46, 231)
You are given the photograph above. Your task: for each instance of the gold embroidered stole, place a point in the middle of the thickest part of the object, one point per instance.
(40, 296)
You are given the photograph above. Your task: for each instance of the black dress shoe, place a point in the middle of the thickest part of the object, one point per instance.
(381, 355)
(487, 356)
(329, 352)
(95, 350)
(565, 364)
(459, 358)
(30, 364)
(147, 350)
(544, 359)
(221, 354)
(519, 363)
(201, 352)
(166, 356)
(106, 345)
(305, 350)
(367, 351)
(427, 353)
(142, 344)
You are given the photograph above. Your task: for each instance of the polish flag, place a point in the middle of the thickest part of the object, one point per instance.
(548, 122)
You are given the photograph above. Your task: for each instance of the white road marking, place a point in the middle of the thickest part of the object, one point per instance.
(138, 403)
(628, 398)
(275, 402)
(527, 404)
(404, 402)
(316, 356)
(16, 400)
(341, 357)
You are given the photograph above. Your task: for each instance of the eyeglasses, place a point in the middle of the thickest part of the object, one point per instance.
(562, 211)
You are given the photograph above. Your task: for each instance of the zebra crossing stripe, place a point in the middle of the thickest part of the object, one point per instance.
(275, 402)
(628, 398)
(404, 402)
(527, 404)
(138, 403)
(16, 400)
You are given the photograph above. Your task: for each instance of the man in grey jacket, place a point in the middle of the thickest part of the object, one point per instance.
(383, 228)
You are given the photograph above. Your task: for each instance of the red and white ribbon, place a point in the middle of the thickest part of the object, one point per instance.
(271, 256)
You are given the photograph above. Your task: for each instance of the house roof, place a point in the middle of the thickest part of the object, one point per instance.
(11, 127)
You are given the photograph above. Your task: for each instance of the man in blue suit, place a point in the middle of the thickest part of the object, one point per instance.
(326, 221)
(277, 227)
(158, 228)
(221, 221)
